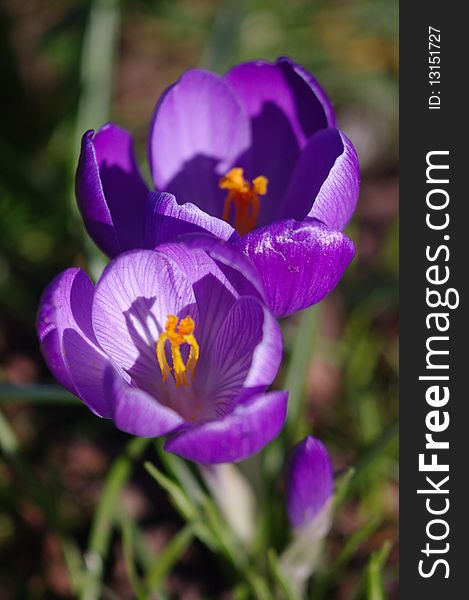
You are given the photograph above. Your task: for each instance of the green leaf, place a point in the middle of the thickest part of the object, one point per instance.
(279, 577)
(259, 586)
(165, 561)
(128, 545)
(375, 583)
(177, 495)
(353, 542)
(38, 394)
(342, 487)
(182, 473)
(204, 519)
(228, 543)
(303, 347)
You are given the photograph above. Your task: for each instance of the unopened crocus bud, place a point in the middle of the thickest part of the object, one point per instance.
(309, 487)
(309, 481)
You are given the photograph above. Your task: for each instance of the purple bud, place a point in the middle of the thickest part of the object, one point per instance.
(309, 481)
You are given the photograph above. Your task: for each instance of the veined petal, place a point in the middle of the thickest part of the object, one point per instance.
(245, 354)
(133, 298)
(136, 412)
(309, 481)
(110, 191)
(219, 274)
(166, 220)
(299, 262)
(199, 131)
(326, 181)
(243, 432)
(67, 338)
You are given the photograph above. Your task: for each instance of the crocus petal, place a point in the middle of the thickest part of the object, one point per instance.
(219, 274)
(317, 90)
(64, 327)
(286, 109)
(299, 262)
(326, 181)
(166, 220)
(86, 365)
(55, 314)
(246, 352)
(136, 412)
(240, 434)
(133, 298)
(309, 481)
(198, 255)
(199, 131)
(110, 191)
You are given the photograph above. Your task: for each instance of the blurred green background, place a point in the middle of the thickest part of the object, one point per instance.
(69, 66)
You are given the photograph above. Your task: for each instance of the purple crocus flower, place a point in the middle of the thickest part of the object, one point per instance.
(175, 341)
(253, 158)
(309, 482)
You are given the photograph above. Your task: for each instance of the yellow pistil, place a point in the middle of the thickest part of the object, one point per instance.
(177, 335)
(245, 198)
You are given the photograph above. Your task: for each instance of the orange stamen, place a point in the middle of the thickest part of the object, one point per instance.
(178, 333)
(245, 199)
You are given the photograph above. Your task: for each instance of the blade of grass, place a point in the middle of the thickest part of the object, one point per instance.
(165, 561)
(375, 588)
(128, 545)
(182, 473)
(366, 461)
(279, 578)
(178, 497)
(353, 542)
(208, 524)
(39, 394)
(324, 581)
(104, 516)
(259, 586)
(299, 361)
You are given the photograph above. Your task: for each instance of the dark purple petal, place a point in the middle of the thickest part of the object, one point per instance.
(326, 181)
(64, 328)
(240, 434)
(199, 131)
(286, 109)
(245, 353)
(110, 191)
(309, 481)
(133, 298)
(299, 262)
(166, 220)
(317, 90)
(136, 412)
